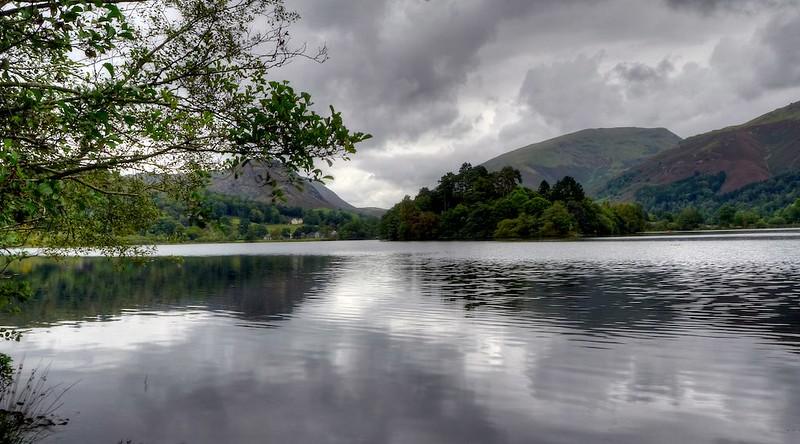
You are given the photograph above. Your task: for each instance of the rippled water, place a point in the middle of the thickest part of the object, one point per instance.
(653, 341)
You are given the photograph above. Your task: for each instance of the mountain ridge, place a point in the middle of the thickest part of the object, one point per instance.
(592, 156)
(752, 152)
(249, 184)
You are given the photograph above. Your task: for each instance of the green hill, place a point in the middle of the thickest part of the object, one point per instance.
(591, 156)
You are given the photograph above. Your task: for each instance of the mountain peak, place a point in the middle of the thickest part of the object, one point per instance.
(592, 156)
(310, 195)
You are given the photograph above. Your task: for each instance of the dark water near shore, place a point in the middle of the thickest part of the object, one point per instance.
(654, 341)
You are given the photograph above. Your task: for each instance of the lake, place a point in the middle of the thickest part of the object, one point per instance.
(665, 340)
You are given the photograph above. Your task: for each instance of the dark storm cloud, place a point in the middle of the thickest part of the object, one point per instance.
(399, 64)
(581, 92)
(708, 6)
(442, 82)
(642, 73)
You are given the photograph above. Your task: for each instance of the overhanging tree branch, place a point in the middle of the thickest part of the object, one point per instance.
(98, 109)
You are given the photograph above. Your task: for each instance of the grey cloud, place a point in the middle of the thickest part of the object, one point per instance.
(640, 72)
(782, 40)
(413, 170)
(710, 6)
(575, 94)
(579, 93)
(342, 15)
(640, 78)
(768, 61)
(418, 74)
(398, 66)
(559, 92)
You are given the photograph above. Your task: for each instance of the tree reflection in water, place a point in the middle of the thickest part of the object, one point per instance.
(454, 342)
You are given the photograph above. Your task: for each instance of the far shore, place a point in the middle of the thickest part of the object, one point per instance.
(719, 231)
(727, 233)
(711, 234)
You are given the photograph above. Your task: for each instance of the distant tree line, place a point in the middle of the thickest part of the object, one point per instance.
(728, 215)
(217, 217)
(697, 202)
(477, 204)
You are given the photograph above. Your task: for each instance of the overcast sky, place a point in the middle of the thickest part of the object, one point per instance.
(442, 82)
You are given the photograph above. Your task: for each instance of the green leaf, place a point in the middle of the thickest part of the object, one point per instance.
(109, 67)
(45, 189)
(113, 11)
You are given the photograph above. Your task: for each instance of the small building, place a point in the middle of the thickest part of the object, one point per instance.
(296, 221)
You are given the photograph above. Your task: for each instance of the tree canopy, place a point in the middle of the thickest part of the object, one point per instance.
(477, 204)
(104, 101)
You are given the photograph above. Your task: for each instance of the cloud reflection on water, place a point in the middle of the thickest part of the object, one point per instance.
(431, 347)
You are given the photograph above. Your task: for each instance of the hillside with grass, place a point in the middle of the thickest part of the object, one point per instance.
(591, 156)
(251, 183)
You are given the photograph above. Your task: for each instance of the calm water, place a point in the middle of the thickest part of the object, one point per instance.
(651, 341)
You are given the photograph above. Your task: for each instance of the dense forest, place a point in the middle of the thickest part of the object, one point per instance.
(477, 204)
(697, 202)
(218, 217)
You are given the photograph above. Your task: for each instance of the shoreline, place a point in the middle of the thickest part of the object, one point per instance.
(653, 236)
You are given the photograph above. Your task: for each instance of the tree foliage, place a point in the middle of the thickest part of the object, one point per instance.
(703, 192)
(104, 101)
(697, 202)
(477, 204)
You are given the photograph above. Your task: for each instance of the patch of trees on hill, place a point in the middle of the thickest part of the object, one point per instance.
(218, 217)
(477, 204)
(728, 215)
(696, 202)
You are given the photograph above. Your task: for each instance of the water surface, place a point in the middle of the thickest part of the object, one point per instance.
(654, 341)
